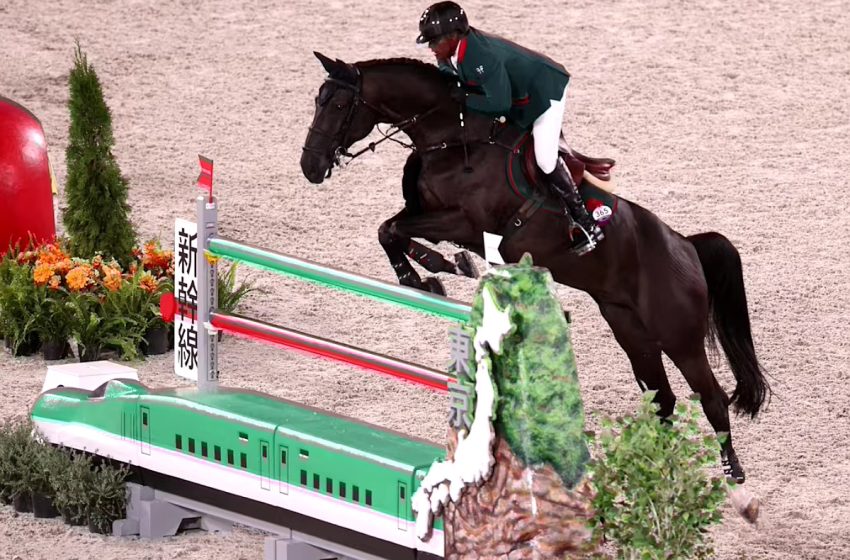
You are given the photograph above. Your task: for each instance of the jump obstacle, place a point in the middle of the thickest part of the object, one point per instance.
(210, 247)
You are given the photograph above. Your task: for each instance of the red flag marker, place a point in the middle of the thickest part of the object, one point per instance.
(167, 307)
(205, 179)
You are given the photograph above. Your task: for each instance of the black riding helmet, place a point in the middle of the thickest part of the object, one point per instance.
(441, 19)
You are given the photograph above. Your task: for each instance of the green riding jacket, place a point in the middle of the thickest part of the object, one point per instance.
(515, 82)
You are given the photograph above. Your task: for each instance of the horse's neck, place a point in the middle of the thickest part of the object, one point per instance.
(405, 92)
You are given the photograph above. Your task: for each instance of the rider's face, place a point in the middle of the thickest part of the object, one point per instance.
(444, 47)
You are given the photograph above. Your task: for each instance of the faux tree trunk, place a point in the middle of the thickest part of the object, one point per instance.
(499, 519)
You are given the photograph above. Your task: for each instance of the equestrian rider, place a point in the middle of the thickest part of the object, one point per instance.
(527, 87)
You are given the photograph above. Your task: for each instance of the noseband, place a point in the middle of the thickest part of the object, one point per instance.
(341, 136)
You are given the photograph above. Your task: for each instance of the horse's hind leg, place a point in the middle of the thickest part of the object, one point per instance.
(644, 353)
(693, 363)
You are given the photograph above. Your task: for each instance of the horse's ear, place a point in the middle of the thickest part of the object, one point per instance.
(345, 72)
(327, 63)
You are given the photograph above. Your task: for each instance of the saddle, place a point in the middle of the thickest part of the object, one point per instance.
(596, 171)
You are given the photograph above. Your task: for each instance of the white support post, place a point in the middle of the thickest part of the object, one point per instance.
(207, 284)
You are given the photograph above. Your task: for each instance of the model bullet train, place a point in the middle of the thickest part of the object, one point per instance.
(294, 465)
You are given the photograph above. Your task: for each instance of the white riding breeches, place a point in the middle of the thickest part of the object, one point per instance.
(547, 134)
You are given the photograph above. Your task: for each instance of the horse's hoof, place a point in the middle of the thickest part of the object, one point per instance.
(745, 503)
(466, 265)
(434, 285)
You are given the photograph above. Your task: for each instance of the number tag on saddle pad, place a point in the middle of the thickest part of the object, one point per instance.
(602, 213)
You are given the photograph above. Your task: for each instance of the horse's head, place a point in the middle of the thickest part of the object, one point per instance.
(341, 118)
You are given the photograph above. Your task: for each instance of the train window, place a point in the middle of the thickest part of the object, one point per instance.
(341, 489)
(355, 493)
(243, 460)
(316, 479)
(401, 493)
(203, 449)
(265, 452)
(191, 445)
(217, 453)
(283, 456)
(303, 477)
(304, 454)
(229, 456)
(243, 437)
(329, 486)
(144, 419)
(368, 497)
(178, 441)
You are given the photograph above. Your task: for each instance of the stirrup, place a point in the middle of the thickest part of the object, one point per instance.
(584, 248)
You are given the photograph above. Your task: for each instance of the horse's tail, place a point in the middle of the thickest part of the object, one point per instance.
(729, 319)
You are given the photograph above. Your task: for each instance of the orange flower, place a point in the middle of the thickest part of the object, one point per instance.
(55, 282)
(42, 274)
(63, 266)
(112, 279)
(78, 277)
(148, 283)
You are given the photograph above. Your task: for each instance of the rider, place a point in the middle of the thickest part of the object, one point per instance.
(527, 87)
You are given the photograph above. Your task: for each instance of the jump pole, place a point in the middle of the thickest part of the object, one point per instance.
(208, 321)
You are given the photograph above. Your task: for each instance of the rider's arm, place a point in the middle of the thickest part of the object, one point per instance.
(496, 98)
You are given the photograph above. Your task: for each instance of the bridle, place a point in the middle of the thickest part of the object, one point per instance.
(341, 136)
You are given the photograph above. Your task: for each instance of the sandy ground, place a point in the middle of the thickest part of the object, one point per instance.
(720, 116)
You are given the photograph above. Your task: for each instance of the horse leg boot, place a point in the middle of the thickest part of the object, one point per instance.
(562, 183)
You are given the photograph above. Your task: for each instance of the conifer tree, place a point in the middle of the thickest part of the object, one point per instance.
(97, 216)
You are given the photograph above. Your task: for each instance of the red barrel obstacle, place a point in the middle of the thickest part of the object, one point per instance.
(26, 180)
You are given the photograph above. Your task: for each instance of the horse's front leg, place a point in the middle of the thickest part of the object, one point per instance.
(444, 225)
(398, 247)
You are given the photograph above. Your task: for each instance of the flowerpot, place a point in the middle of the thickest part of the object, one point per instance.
(156, 341)
(42, 506)
(27, 347)
(55, 350)
(90, 354)
(100, 527)
(171, 336)
(22, 502)
(73, 516)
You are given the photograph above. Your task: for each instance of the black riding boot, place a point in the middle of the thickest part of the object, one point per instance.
(590, 233)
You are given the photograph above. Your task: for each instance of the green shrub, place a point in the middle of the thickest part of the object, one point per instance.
(19, 455)
(229, 294)
(654, 498)
(108, 497)
(73, 485)
(97, 215)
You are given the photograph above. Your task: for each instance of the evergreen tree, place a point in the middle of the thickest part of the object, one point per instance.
(97, 215)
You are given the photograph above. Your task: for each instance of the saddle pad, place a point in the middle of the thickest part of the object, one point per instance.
(601, 204)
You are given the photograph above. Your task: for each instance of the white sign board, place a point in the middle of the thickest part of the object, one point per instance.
(186, 324)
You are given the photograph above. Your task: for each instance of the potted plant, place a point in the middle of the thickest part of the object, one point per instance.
(108, 499)
(72, 484)
(52, 322)
(44, 465)
(95, 325)
(20, 456)
(5, 464)
(136, 301)
(18, 300)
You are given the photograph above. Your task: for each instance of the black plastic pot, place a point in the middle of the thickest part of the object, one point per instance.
(55, 350)
(42, 506)
(22, 502)
(89, 354)
(156, 341)
(28, 347)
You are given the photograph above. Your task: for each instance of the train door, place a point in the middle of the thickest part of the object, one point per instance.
(403, 505)
(283, 468)
(146, 430)
(265, 470)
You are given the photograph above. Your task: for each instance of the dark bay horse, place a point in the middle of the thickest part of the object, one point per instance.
(658, 290)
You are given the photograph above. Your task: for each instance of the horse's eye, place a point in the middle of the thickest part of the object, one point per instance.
(340, 106)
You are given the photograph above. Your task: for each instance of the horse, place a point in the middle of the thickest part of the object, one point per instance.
(658, 290)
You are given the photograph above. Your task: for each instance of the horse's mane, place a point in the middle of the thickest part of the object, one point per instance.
(400, 61)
